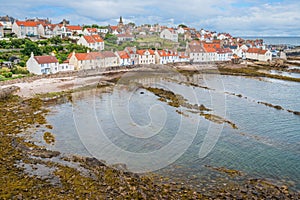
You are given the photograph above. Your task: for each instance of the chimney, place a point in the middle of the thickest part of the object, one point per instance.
(31, 55)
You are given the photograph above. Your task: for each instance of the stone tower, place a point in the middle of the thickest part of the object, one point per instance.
(121, 21)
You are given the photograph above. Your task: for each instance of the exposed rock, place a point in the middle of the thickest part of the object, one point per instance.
(7, 91)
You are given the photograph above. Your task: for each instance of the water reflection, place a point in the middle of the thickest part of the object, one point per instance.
(128, 124)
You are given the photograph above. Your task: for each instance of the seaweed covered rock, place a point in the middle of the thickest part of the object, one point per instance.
(7, 91)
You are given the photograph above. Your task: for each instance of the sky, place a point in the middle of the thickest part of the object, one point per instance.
(238, 17)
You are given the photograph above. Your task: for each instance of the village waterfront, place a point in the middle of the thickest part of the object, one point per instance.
(247, 126)
(195, 131)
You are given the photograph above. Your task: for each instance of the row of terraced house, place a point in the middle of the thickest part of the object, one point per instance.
(196, 52)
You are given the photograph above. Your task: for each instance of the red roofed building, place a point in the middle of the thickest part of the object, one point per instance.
(224, 54)
(114, 30)
(25, 28)
(42, 64)
(71, 30)
(93, 60)
(258, 54)
(90, 31)
(146, 56)
(166, 56)
(89, 60)
(91, 41)
(132, 52)
(49, 30)
(124, 58)
(183, 57)
(211, 54)
(196, 52)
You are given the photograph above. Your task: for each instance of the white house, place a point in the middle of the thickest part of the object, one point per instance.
(65, 67)
(25, 28)
(90, 31)
(1, 31)
(6, 22)
(180, 30)
(259, 54)
(183, 57)
(103, 30)
(196, 53)
(70, 30)
(169, 34)
(146, 56)
(132, 52)
(125, 38)
(42, 64)
(166, 56)
(49, 30)
(110, 59)
(124, 58)
(89, 60)
(211, 54)
(161, 57)
(224, 54)
(91, 41)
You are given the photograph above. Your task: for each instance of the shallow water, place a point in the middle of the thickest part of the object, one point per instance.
(288, 74)
(128, 124)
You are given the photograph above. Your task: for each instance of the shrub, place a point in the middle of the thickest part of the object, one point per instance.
(19, 70)
(7, 74)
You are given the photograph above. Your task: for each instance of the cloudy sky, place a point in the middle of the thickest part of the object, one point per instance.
(238, 17)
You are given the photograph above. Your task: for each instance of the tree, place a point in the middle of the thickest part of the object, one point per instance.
(131, 24)
(31, 47)
(111, 38)
(95, 26)
(182, 26)
(55, 40)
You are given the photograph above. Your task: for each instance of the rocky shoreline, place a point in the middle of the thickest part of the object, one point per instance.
(88, 178)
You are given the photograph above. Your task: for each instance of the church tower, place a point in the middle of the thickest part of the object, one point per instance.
(121, 21)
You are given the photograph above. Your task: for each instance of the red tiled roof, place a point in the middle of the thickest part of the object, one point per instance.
(74, 28)
(108, 54)
(162, 53)
(92, 30)
(92, 38)
(210, 50)
(114, 27)
(142, 52)
(81, 56)
(256, 50)
(1, 24)
(182, 55)
(196, 49)
(222, 51)
(87, 56)
(123, 54)
(130, 50)
(94, 56)
(45, 59)
(27, 23)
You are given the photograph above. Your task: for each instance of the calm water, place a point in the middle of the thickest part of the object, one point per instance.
(294, 41)
(128, 124)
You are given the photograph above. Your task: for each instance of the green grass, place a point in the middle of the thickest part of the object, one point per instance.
(151, 41)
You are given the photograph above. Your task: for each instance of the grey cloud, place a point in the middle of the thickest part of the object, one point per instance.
(218, 15)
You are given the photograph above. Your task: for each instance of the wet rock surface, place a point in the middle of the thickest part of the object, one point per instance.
(99, 181)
